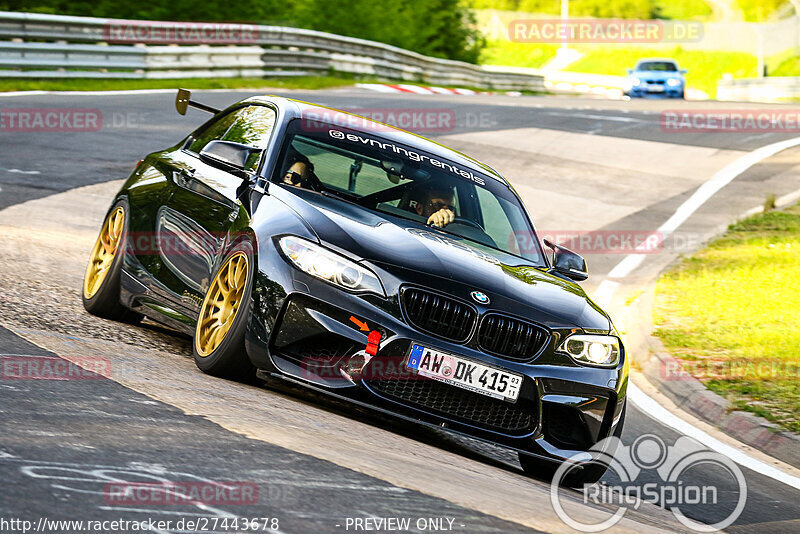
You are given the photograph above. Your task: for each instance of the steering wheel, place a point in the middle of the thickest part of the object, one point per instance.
(314, 183)
(467, 222)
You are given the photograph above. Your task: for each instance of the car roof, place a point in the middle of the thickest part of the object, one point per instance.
(656, 59)
(298, 109)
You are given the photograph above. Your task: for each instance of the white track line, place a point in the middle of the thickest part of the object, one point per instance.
(720, 179)
(441, 90)
(658, 413)
(417, 89)
(379, 87)
(606, 289)
(780, 202)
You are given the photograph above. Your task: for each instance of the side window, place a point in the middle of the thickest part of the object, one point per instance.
(251, 125)
(495, 220)
(214, 131)
(334, 169)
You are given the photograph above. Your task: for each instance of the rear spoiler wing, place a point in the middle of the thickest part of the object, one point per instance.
(184, 99)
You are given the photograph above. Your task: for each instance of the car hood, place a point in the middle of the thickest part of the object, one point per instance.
(414, 253)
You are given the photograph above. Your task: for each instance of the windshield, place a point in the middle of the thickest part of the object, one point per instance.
(666, 66)
(405, 182)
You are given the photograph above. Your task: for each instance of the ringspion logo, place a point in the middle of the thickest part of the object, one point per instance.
(649, 470)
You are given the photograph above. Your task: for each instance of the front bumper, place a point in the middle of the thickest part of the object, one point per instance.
(305, 330)
(659, 91)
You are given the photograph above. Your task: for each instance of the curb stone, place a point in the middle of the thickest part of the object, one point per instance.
(666, 374)
(691, 395)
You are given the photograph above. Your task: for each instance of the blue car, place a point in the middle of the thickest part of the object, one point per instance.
(656, 77)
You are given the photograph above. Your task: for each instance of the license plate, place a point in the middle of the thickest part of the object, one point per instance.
(464, 373)
(656, 88)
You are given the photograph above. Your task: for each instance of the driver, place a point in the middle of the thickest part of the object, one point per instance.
(299, 173)
(436, 205)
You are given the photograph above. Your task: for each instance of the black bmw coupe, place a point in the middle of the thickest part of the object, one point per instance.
(311, 245)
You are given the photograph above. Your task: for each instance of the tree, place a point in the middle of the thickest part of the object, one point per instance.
(440, 28)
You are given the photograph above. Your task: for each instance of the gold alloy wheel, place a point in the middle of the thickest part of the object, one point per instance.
(221, 304)
(105, 248)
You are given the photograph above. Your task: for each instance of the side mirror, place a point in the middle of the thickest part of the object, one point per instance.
(630, 71)
(567, 263)
(230, 155)
(684, 71)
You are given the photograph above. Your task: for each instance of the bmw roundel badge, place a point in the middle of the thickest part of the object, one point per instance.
(479, 297)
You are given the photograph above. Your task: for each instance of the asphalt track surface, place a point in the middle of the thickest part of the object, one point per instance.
(61, 438)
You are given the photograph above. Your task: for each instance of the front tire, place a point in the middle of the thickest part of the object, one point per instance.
(218, 345)
(101, 281)
(577, 478)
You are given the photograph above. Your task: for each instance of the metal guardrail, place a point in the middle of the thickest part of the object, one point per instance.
(38, 45)
(769, 89)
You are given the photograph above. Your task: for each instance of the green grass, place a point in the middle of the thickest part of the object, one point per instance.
(632, 9)
(92, 84)
(705, 68)
(299, 82)
(532, 55)
(730, 314)
(788, 67)
(683, 10)
(758, 10)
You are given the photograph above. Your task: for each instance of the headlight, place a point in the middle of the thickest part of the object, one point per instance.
(329, 266)
(636, 82)
(674, 82)
(592, 349)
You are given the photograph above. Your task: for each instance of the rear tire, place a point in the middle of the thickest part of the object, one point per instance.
(101, 281)
(218, 343)
(576, 478)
